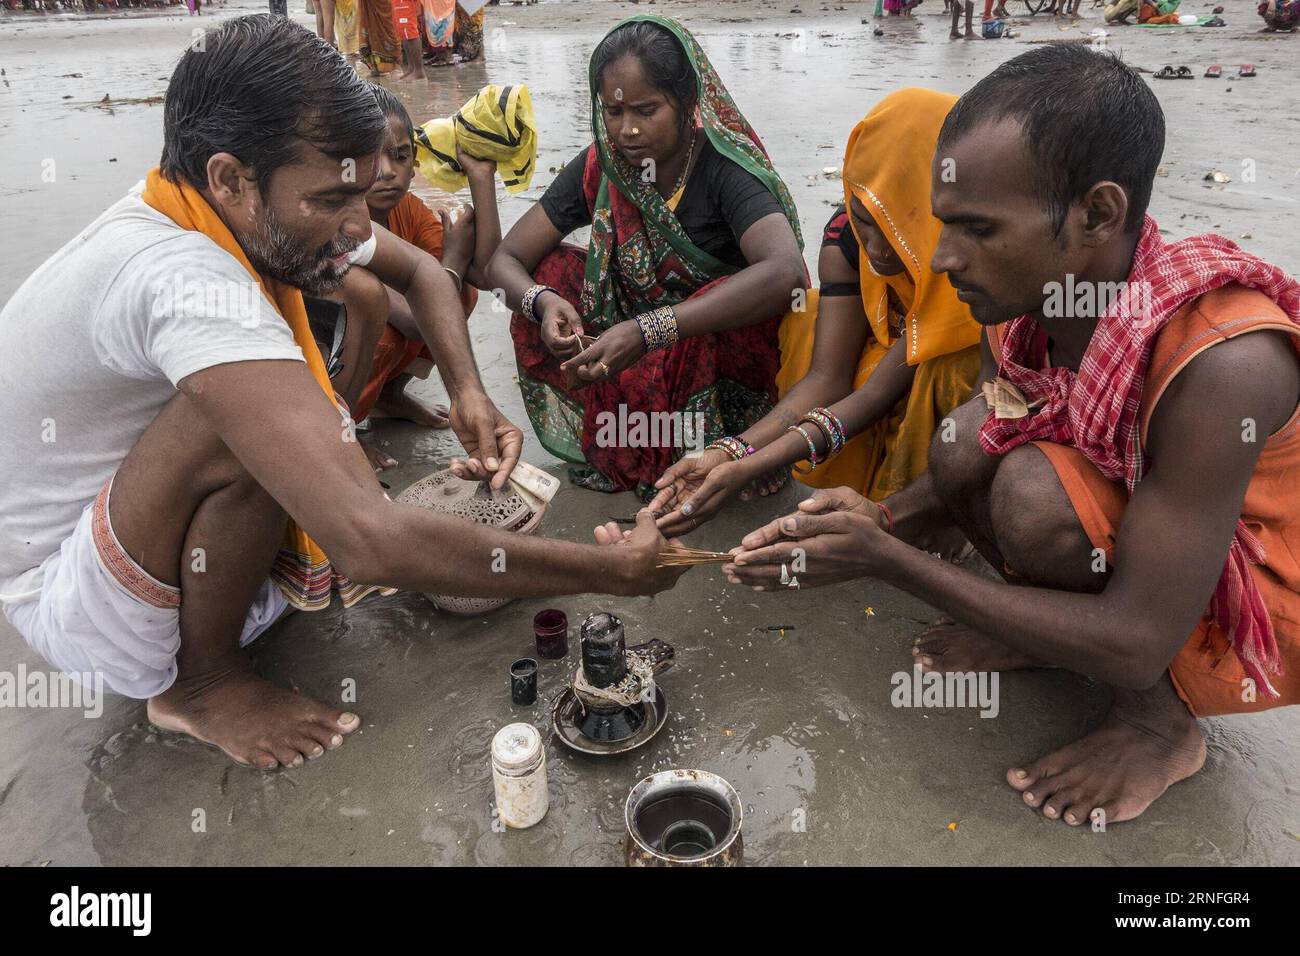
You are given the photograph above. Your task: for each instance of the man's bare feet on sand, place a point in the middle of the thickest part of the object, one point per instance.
(1148, 742)
(948, 647)
(379, 460)
(256, 723)
(395, 403)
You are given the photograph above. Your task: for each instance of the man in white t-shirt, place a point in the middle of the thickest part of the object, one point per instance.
(160, 425)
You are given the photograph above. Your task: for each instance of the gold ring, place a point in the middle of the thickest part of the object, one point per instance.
(604, 367)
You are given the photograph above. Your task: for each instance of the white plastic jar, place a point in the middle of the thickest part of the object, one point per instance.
(519, 775)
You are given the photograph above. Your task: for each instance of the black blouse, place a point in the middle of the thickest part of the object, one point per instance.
(720, 203)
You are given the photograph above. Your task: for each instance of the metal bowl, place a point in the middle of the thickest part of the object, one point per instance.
(683, 818)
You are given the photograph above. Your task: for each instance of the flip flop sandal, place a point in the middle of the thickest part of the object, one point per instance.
(1214, 72)
(1247, 69)
(1214, 22)
(1164, 73)
(1185, 73)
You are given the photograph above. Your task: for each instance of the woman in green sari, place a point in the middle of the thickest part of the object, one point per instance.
(660, 335)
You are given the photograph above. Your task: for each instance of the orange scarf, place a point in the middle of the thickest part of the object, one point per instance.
(301, 570)
(887, 167)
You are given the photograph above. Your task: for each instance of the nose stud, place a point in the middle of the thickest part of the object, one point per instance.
(635, 130)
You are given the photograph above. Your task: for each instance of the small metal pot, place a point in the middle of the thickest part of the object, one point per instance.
(683, 818)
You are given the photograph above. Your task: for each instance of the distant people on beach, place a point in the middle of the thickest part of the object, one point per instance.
(1280, 16)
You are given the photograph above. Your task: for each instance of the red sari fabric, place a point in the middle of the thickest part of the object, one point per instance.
(730, 377)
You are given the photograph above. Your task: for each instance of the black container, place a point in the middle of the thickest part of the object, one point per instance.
(604, 657)
(523, 681)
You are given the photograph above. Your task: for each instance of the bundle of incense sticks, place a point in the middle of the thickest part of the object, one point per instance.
(678, 556)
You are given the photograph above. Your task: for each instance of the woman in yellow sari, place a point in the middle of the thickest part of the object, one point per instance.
(880, 354)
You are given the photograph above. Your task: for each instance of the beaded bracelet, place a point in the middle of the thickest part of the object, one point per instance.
(831, 427)
(812, 449)
(835, 422)
(734, 447)
(530, 298)
(658, 328)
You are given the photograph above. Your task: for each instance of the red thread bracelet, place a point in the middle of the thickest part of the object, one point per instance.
(889, 517)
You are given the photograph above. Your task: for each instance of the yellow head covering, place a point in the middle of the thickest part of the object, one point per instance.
(887, 167)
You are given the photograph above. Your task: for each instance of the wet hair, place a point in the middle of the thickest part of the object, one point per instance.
(662, 58)
(1086, 118)
(392, 106)
(254, 87)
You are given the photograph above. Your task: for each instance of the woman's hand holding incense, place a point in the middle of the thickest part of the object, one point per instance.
(492, 442)
(617, 348)
(694, 489)
(561, 325)
(835, 536)
(636, 556)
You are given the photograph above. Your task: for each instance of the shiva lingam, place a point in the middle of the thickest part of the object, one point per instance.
(614, 704)
(509, 509)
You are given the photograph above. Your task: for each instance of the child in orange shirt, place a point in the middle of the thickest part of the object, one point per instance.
(463, 247)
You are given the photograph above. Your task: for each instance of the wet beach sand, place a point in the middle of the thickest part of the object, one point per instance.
(801, 724)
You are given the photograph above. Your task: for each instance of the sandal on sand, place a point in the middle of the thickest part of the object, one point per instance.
(1214, 22)
(1164, 73)
(1247, 69)
(1214, 72)
(1185, 73)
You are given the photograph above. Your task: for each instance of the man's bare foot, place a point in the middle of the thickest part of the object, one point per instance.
(397, 404)
(948, 647)
(378, 460)
(256, 723)
(765, 485)
(1148, 742)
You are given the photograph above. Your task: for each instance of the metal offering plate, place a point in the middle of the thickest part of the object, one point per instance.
(566, 715)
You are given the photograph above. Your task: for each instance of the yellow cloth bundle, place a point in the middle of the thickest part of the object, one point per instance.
(497, 124)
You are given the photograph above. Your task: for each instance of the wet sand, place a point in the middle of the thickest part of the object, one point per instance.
(801, 724)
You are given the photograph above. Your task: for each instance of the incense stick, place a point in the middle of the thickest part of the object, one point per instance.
(675, 557)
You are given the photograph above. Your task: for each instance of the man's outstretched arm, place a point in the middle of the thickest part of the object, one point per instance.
(276, 420)
(1170, 547)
